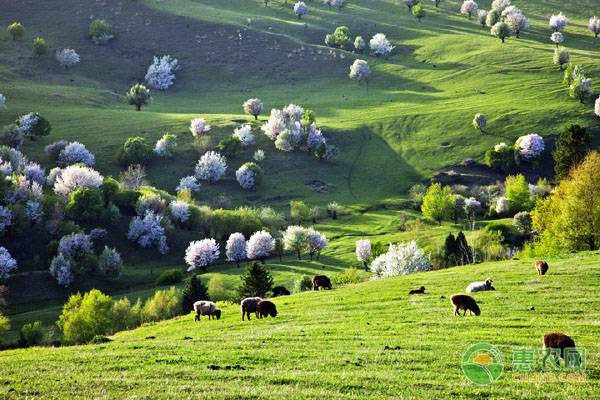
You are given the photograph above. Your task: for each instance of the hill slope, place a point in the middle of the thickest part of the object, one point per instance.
(365, 340)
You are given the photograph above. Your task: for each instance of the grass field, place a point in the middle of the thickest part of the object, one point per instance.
(368, 340)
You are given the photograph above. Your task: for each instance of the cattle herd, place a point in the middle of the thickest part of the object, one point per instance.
(461, 302)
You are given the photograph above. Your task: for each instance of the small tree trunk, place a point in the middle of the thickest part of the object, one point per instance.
(255, 117)
(138, 107)
(366, 266)
(298, 254)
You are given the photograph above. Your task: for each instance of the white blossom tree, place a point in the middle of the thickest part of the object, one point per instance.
(200, 253)
(165, 146)
(482, 17)
(253, 107)
(363, 252)
(244, 133)
(2, 101)
(469, 8)
(557, 38)
(7, 264)
(198, 126)
(558, 22)
(593, 26)
(260, 245)
(530, 146)
(315, 242)
(248, 175)
(380, 45)
(275, 124)
(161, 73)
(480, 122)
(75, 177)
(502, 205)
(561, 57)
(500, 5)
(235, 249)
(75, 245)
(180, 211)
(359, 44)
(60, 269)
(74, 153)
(148, 231)
(190, 183)
(295, 239)
(211, 167)
(597, 107)
(517, 22)
(401, 259)
(6, 219)
(259, 155)
(110, 263)
(300, 9)
(67, 57)
(138, 96)
(359, 70)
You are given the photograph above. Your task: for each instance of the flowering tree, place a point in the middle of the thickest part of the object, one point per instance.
(248, 174)
(180, 211)
(500, 5)
(479, 122)
(411, 3)
(315, 242)
(75, 177)
(166, 145)
(561, 57)
(34, 211)
(558, 22)
(314, 138)
(6, 217)
(110, 263)
(190, 183)
(74, 153)
(35, 173)
(275, 124)
(594, 26)
(482, 17)
(501, 30)
(295, 238)
(597, 107)
(67, 57)
(161, 73)
(359, 44)
(363, 252)
(2, 101)
(290, 137)
(138, 96)
(580, 88)
(7, 264)
(530, 146)
(557, 38)
(198, 126)
(235, 249)
(244, 134)
(260, 245)
(401, 259)
(379, 45)
(75, 245)
(201, 253)
(211, 167)
(300, 9)
(517, 22)
(60, 269)
(148, 231)
(502, 205)
(259, 155)
(253, 107)
(359, 70)
(469, 8)
(33, 125)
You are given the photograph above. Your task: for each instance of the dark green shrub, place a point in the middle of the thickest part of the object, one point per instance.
(256, 281)
(39, 46)
(109, 188)
(501, 158)
(126, 200)
(31, 334)
(169, 277)
(16, 30)
(41, 128)
(99, 339)
(100, 31)
(193, 291)
(85, 205)
(135, 150)
(229, 146)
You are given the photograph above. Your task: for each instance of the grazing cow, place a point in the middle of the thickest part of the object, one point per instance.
(464, 302)
(480, 286)
(209, 308)
(541, 266)
(560, 341)
(280, 291)
(420, 290)
(266, 308)
(321, 282)
(249, 305)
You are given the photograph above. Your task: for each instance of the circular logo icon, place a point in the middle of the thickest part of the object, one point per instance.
(482, 364)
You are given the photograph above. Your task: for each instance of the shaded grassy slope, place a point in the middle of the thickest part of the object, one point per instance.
(365, 340)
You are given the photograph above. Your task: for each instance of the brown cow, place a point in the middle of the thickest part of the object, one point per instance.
(266, 308)
(559, 341)
(321, 282)
(421, 290)
(464, 302)
(541, 266)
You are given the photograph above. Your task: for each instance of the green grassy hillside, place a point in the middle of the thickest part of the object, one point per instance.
(368, 340)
